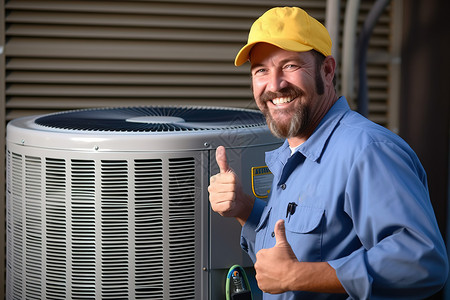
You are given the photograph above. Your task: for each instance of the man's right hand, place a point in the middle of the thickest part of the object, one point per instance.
(225, 191)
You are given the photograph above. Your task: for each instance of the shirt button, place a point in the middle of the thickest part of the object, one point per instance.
(283, 186)
(273, 234)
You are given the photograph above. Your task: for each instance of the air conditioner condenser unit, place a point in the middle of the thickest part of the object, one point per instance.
(112, 203)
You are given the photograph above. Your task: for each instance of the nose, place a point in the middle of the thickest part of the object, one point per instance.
(276, 81)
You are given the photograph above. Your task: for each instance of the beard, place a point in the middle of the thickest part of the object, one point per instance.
(299, 114)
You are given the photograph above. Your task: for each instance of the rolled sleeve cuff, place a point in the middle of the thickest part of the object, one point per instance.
(248, 232)
(353, 274)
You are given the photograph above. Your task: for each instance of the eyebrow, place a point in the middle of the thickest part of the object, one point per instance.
(296, 58)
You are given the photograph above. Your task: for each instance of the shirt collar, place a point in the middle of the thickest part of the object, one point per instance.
(314, 146)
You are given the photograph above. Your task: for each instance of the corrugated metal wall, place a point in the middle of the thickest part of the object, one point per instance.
(75, 54)
(60, 55)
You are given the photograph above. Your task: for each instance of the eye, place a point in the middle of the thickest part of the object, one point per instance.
(291, 67)
(259, 71)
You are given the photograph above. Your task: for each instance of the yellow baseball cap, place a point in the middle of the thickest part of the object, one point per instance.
(289, 28)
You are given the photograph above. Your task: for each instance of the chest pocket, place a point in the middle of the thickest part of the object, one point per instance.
(305, 219)
(304, 231)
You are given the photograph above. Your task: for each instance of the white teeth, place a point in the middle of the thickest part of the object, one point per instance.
(282, 100)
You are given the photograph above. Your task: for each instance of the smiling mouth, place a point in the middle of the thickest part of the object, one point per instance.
(282, 100)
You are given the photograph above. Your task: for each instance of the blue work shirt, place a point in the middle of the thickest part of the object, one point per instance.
(362, 206)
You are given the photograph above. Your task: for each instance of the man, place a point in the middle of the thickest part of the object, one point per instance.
(349, 214)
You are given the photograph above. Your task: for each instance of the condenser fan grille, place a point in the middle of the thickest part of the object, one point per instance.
(152, 119)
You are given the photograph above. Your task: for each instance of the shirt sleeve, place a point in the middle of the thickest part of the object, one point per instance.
(248, 232)
(403, 255)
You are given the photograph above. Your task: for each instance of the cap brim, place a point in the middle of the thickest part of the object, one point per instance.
(244, 54)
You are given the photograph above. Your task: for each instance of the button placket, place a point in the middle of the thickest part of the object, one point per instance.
(292, 163)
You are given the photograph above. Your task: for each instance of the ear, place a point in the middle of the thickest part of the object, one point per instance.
(328, 69)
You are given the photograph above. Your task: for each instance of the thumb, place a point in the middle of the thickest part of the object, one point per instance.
(280, 233)
(221, 158)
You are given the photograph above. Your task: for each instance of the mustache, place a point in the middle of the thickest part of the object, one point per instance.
(289, 91)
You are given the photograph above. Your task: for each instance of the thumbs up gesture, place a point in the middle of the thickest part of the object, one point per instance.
(225, 191)
(273, 265)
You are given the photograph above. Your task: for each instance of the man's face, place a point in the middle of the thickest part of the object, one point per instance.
(284, 87)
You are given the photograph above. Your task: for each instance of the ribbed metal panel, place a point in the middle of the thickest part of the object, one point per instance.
(57, 255)
(149, 229)
(182, 228)
(83, 220)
